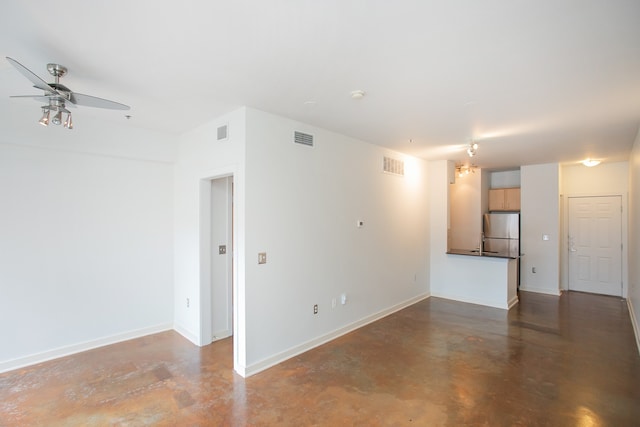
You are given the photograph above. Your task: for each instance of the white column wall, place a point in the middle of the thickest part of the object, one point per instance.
(201, 157)
(540, 214)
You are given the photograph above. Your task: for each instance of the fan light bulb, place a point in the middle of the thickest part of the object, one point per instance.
(68, 123)
(57, 119)
(44, 121)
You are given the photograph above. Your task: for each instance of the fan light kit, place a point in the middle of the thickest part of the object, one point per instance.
(56, 95)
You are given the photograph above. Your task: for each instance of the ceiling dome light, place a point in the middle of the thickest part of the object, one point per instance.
(590, 163)
(357, 94)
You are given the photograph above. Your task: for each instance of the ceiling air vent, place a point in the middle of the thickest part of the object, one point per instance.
(222, 133)
(393, 166)
(303, 138)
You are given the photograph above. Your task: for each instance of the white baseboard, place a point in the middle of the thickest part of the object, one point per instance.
(220, 335)
(56, 353)
(476, 301)
(555, 292)
(253, 369)
(634, 322)
(187, 334)
(513, 302)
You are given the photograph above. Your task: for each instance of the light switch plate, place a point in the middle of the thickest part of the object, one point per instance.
(262, 258)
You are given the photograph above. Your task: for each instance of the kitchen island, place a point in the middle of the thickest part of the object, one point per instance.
(481, 278)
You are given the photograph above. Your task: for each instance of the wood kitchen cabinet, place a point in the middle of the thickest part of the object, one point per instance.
(504, 199)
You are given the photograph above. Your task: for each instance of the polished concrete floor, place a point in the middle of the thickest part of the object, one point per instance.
(568, 361)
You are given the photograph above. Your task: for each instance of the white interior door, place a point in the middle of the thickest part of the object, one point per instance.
(595, 244)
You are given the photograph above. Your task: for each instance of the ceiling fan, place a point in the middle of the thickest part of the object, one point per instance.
(57, 95)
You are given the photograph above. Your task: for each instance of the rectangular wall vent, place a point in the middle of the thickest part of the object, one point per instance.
(303, 138)
(393, 166)
(222, 133)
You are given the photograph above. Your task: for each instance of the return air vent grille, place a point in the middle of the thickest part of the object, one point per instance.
(393, 166)
(223, 133)
(303, 138)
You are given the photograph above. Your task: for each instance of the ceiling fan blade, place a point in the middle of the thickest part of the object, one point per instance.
(37, 81)
(94, 101)
(44, 98)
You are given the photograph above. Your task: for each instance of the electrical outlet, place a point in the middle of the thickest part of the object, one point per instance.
(222, 249)
(315, 309)
(533, 270)
(262, 258)
(187, 302)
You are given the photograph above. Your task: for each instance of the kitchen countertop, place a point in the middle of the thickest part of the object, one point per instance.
(476, 253)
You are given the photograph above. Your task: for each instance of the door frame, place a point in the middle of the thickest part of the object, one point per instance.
(564, 243)
(206, 252)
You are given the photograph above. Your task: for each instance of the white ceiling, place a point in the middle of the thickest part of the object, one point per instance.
(534, 81)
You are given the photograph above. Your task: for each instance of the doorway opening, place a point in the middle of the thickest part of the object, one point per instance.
(217, 272)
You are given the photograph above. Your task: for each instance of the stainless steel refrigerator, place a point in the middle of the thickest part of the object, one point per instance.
(502, 234)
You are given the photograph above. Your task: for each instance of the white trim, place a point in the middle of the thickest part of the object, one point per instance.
(220, 335)
(205, 335)
(556, 292)
(80, 347)
(304, 347)
(634, 323)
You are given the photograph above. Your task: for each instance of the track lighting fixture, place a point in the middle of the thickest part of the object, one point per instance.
(462, 170)
(472, 149)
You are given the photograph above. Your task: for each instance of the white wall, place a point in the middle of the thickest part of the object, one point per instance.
(86, 238)
(302, 208)
(505, 179)
(634, 237)
(606, 179)
(540, 214)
